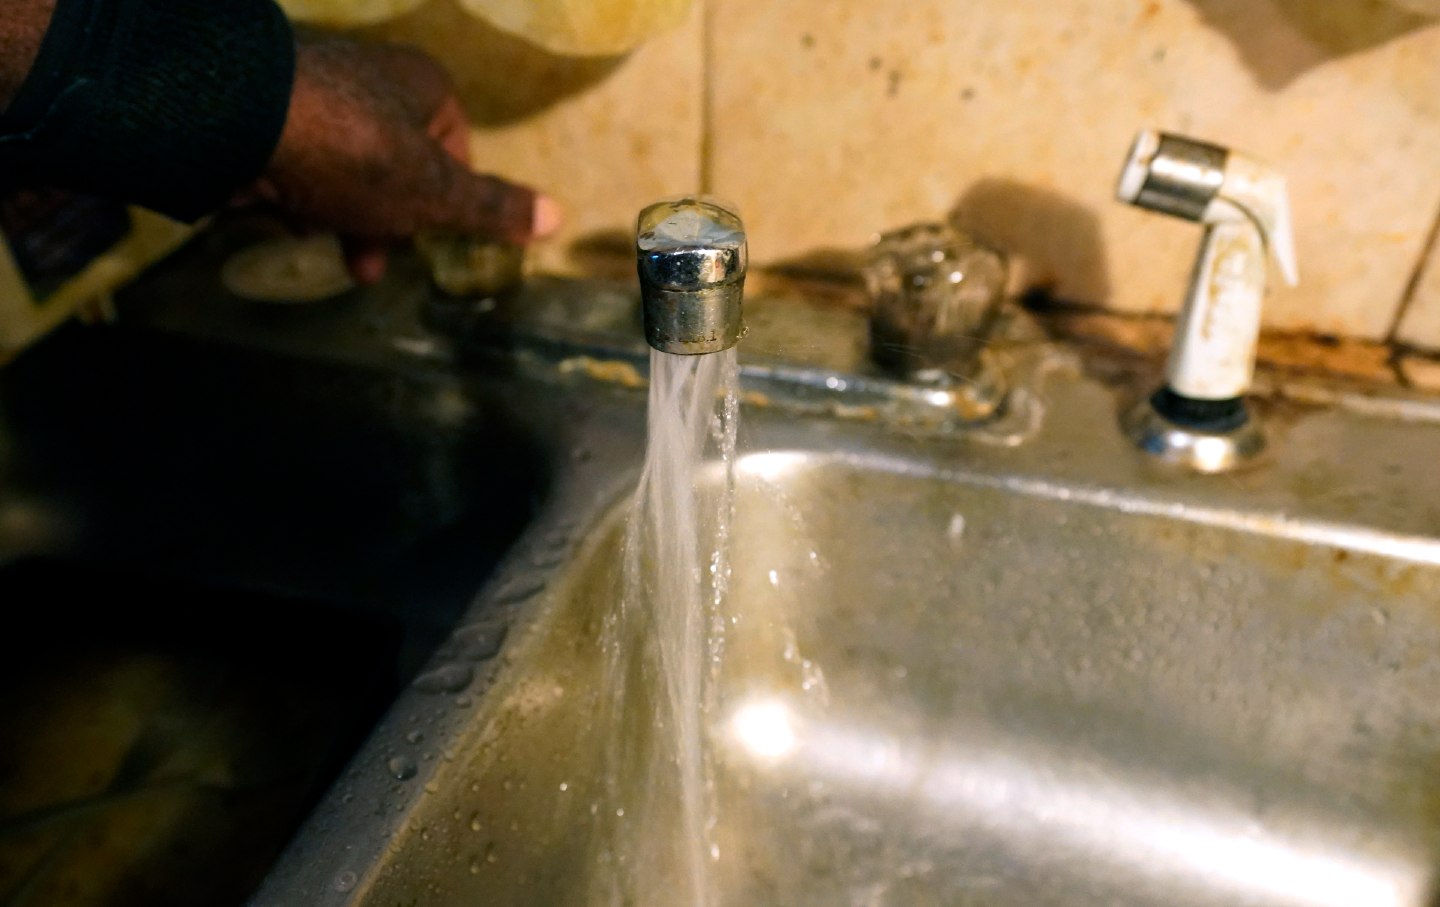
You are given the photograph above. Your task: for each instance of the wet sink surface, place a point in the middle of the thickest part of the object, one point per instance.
(1026, 699)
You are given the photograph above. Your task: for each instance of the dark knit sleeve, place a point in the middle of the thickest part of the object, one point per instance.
(168, 104)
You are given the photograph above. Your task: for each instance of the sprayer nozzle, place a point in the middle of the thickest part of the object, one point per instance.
(1172, 174)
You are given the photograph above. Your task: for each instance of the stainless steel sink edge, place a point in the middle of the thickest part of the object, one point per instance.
(336, 852)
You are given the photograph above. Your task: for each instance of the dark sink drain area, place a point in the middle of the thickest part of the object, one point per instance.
(163, 739)
(218, 566)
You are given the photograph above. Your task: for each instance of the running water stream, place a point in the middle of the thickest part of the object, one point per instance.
(664, 642)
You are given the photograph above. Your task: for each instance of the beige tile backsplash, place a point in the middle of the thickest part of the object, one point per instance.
(829, 120)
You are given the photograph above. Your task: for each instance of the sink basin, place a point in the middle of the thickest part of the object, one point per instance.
(1015, 697)
(965, 667)
(218, 566)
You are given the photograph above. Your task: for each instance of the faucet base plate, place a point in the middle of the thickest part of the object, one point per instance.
(1200, 450)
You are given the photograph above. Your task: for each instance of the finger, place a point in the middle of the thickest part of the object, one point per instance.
(366, 259)
(488, 206)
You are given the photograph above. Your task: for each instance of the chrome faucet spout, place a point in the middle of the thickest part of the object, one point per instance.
(691, 257)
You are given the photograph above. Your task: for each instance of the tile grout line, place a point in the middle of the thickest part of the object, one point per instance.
(1407, 299)
(707, 97)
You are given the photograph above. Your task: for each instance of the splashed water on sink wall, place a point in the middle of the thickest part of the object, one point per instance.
(664, 642)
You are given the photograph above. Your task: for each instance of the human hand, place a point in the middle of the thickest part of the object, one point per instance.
(375, 148)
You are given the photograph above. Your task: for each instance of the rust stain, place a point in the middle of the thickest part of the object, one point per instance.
(1295, 352)
(1385, 579)
(1229, 267)
(1328, 355)
(606, 371)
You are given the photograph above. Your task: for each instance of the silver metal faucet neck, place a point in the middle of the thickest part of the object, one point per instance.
(691, 258)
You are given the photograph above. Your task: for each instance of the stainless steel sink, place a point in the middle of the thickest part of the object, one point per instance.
(1027, 667)
(1051, 676)
(1027, 699)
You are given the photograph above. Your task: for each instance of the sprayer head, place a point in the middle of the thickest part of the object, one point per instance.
(1209, 184)
(691, 257)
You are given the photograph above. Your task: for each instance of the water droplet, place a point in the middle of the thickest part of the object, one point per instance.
(414, 737)
(956, 530)
(564, 786)
(447, 678)
(475, 823)
(490, 855)
(402, 768)
(774, 578)
(432, 787)
(547, 560)
(520, 589)
(481, 641)
(345, 881)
